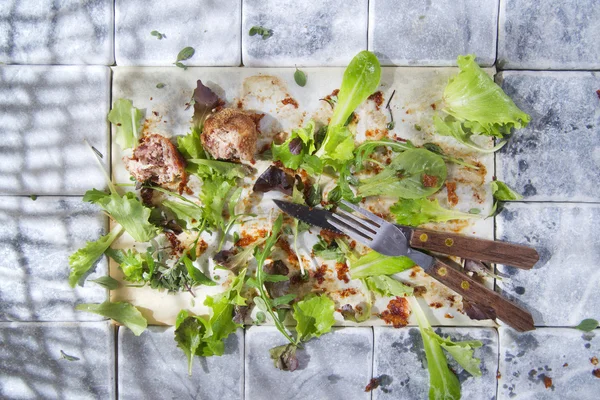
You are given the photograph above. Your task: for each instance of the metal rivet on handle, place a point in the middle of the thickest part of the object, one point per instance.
(423, 237)
(465, 285)
(442, 271)
(449, 242)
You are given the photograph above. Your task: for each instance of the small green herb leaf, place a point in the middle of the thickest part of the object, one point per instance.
(587, 325)
(259, 30)
(185, 54)
(160, 85)
(158, 35)
(300, 78)
(181, 65)
(67, 357)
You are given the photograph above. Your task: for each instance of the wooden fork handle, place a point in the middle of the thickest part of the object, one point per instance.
(449, 273)
(475, 249)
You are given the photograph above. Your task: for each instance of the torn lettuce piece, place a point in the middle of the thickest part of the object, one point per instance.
(443, 383)
(375, 264)
(502, 192)
(122, 312)
(86, 257)
(204, 101)
(314, 316)
(127, 120)
(415, 212)
(412, 174)
(387, 286)
(361, 79)
(360, 313)
(297, 148)
(476, 105)
(284, 357)
(187, 215)
(462, 352)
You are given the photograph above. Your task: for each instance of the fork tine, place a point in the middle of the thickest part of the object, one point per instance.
(364, 212)
(368, 224)
(353, 225)
(349, 231)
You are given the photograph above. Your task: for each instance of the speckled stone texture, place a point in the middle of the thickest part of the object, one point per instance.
(562, 288)
(46, 112)
(305, 33)
(211, 27)
(56, 32)
(549, 34)
(151, 366)
(401, 366)
(425, 32)
(561, 358)
(31, 366)
(337, 365)
(35, 243)
(557, 157)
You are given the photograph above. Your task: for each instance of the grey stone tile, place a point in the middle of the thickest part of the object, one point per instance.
(337, 365)
(561, 354)
(306, 33)
(549, 35)
(401, 364)
(422, 32)
(36, 240)
(211, 27)
(32, 367)
(556, 157)
(56, 32)
(151, 366)
(562, 288)
(46, 112)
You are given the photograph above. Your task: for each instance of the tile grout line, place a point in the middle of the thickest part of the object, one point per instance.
(368, 19)
(116, 360)
(372, 359)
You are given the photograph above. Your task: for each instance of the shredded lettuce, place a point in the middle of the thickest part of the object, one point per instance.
(415, 212)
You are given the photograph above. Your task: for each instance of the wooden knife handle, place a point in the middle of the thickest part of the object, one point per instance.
(449, 273)
(475, 249)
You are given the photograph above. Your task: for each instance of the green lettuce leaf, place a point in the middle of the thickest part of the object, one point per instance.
(213, 196)
(449, 126)
(132, 263)
(415, 212)
(443, 383)
(189, 332)
(106, 282)
(412, 174)
(189, 216)
(502, 192)
(85, 258)
(375, 264)
(284, 357)
(361, 79)
(314, 316)
(462, 352)
(472, 97)
(127, 120)
(388, 286)
(122, 312)
(128, 212)
(298, 147)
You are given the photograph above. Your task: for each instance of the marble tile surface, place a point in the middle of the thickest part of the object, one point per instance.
(306, 33)
(562, 288)
(56, 32)
(549, 34)
(32, 367)
(336, 365)
(548, 363)
(46, 112)
(556, 156)
(151, 366)
(35, 245)
(211, 27)
(401, 366)
(422, 32)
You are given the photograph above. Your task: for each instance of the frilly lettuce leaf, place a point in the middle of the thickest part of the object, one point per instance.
(449, 126)
(415, 212)
(473, 98)
(299, 146)
(122, 312)
(84, 259)
(314, 316)
(127, 120)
